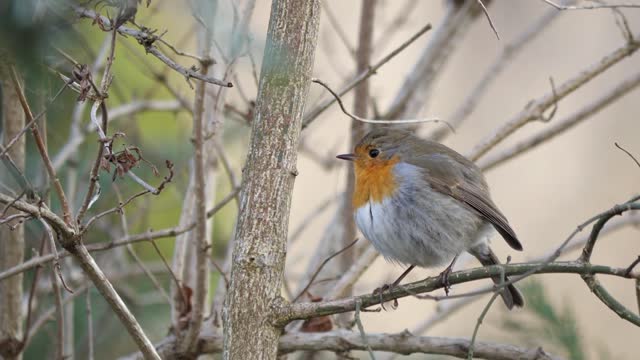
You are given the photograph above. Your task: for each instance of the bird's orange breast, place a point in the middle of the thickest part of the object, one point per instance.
(374, 181)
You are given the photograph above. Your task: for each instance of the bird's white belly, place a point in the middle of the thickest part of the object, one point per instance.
(424, 228)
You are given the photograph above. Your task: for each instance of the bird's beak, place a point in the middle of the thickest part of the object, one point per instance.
(349, 157)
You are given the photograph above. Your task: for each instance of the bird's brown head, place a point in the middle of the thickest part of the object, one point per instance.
(374, 158)
(379, 147)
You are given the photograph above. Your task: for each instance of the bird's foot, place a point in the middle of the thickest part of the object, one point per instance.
(380, 292)
(444, 279)
(444, 276)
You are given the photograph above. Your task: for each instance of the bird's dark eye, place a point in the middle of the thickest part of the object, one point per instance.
(374, 153)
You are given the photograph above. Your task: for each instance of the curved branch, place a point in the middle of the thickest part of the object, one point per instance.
(54, 220)
(308, 310)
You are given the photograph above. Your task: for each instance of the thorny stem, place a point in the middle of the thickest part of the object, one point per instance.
(42, 149)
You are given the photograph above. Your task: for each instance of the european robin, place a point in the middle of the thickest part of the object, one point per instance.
(421, 203)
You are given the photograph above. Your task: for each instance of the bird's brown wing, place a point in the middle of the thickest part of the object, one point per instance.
(457, 181)
(470, 195)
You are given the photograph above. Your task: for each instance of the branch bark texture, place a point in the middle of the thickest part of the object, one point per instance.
(261, 231)
(12, 248)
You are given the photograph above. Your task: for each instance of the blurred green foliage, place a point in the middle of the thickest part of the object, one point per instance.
(548, 325)
(29, 39)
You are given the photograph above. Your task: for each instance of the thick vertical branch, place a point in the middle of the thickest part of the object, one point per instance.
(12, 248)
(201, 243)
(261, 231)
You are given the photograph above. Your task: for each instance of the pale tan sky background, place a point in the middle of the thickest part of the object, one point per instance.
(544, 193)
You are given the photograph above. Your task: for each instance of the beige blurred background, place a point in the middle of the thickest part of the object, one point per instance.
(545, 193)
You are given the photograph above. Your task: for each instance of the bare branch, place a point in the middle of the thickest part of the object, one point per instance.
(535, 109)
(413, 95)
(628, 153)
(446, 309)
(561, 126)
(486, 13)
(335, 24)
(90, 355)
(315, 274)
(591, 7)
(307, 310)
(313, 114)
(147, 39)
(260, 241)
(509, 51)
(372, 121)
(111, 296)
(146, 236)
(478, 323)
(201, 242)
(56, 276)
(354, 273)
(44, 154)
(402, 343)
(36, 211)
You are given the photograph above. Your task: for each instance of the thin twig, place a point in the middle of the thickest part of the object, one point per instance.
(34, 282)
(146, 236)
(89, 323)
(104, 89)
(335, 24)
(146, 40)
(169, 270)
(478, 323)
(134, 255)
(313, 114)
(93, 175)
(202, 242)
(628, 153)
(363, 262)
(373, 121)
(54, 251)
(486, 13)
(591, 7)
(57, 296)
(632, 265)
(561, 126)
(44, 154)
(509, 51)
(315, 274)
(417, 87)
(105, 288)
(28, 125)
(535, 109)
(363, 334)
